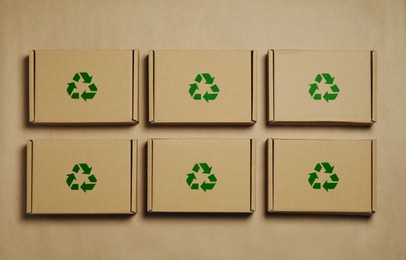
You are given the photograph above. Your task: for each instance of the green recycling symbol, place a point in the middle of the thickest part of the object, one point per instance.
(191, 179)
(86, 79)
(86, 170)
(327, 185)
(194, 90)
(330, 94)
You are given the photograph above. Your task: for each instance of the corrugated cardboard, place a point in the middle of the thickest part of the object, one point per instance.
(52, 189)
(345, 92)
(171, 162)
(293, 163)
(52, 95)
(174, 99)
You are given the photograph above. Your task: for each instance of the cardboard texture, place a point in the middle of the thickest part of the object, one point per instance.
(321, 87)
(201, 175)
(200, 87)
(256, 24)
(322, 176)
(83, 87)
(81, 176)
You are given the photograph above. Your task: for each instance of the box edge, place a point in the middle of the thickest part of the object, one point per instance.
(270, 172)
(134, 175)
(31, 86)
(135, 87)
(270, 82)
(29, 173)
(253, 160)
(149, 174)
(374, 176)
(374, 86)
(151, 87)
(254, 86)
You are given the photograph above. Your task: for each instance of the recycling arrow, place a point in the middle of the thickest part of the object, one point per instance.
(190, 178)
(329, 185)
(204, 88)
(328, 78)
(313, 88)
(86, 94)
(87, 186)
(313, 177)
(208, 78)
(205, 167)
(328, 170)
(193, 88)
(81, 168)
(328, 95)
(86, 78)
(327, 167)
(86, 169)
(205, 171)
(208, 96)
(71, 87)
(70, 179)
(207, 186)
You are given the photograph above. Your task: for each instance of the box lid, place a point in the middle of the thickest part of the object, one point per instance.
(200, 87)
(322, 176)
(201, 175)
(83, 87)
(81, 176)
(321, 87)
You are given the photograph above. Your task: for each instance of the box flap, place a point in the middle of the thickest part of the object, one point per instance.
(374, 107)
(31, 85)
(269, 155)
(254, 87)
(253, 174)
(151, 72)
(374, 177)
(134, 175)
(135, 80)
(270, 88)
(150, 170)
(29, 176)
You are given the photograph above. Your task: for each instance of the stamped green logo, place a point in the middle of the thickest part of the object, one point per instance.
(204, 171)
(315, 89)
(85, 79)
(204, 88)
(325, 169)
(87, 184)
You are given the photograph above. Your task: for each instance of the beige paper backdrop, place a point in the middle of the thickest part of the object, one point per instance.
(380, 25)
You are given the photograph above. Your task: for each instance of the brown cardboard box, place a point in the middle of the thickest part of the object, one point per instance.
(322, 176)
(81, 176)
(201, 175)
(202, 87)
(83, 87)
(321, 87)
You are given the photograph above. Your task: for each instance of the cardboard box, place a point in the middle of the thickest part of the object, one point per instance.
(201, 175)
(81, 176)
(322, 176)
(202, 87)
(83, 87)
(321, 87)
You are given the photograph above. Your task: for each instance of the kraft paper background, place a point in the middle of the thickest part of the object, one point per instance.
(260, 25)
